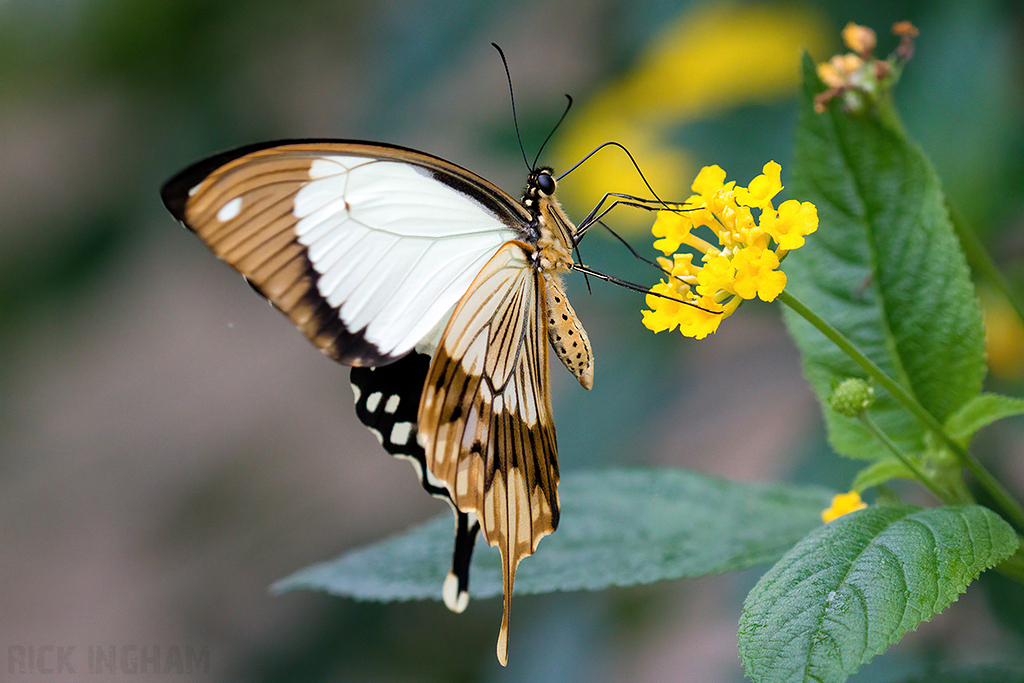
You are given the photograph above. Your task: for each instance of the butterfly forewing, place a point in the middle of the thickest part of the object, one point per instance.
(366, 248)
(485, 417)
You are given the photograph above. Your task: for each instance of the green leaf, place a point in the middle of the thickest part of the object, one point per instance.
(886, 269)
(880, 472)
(618, 527)
(856, 585)
(982, 411)
(1010, 673)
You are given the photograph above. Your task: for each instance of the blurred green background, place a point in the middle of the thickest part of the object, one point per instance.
(171, 446)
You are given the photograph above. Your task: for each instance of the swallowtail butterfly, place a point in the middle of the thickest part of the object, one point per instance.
(439, 289)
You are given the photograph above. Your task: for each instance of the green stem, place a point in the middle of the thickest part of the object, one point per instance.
(887, 112)
(981, 262)
(1013, 566)
(1002, 497)
(945, 496)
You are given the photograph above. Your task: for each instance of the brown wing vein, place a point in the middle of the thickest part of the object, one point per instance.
(485, 414)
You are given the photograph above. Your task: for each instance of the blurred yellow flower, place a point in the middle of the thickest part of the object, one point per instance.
(739, 264)
(838, 71)
(710, 59)
(843, 504)
(858, 78)
(860, 39)
(1004, 337)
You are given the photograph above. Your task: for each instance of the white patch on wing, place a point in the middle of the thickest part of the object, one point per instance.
(347, 268)
(321, 228)
(334, 165)
(428, 345)
(230, 210)
(373, 400)
(395, 248)
(391, 405)
(400, 433)
(453, 599)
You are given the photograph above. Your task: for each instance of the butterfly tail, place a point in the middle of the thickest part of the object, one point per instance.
(456, 585)
(508, 576)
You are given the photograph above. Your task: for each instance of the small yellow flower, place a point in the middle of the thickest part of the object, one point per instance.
(710, 180)
(860, 39)
(763, 188)
(838, 71)
(842, 504)
(749, 239)
(858, 78)
(756, 274)
(907, 32)
(672, 228)
(717, 273)
(791, 223)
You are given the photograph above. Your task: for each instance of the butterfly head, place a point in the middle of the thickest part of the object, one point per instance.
(539, 185)
(553, 233)
(545, 182)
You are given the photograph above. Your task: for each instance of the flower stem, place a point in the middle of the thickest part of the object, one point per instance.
(945, 496)
(887, 113)
(981, 262)
(1002, 497)
(1013, 566)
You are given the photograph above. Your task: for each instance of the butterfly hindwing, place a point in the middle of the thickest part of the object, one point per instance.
(365, 247)
(387, 402)
(485, 417)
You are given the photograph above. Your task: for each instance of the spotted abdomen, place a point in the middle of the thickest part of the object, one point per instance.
(567, 336)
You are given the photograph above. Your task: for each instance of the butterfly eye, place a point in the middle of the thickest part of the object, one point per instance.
(546, 183)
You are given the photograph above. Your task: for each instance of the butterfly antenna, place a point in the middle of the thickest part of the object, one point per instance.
(512, 99)
(635, 165)
(562, 118)
(632, 250)
(587, 270)
(579, 258)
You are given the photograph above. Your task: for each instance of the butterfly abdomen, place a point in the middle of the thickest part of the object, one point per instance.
(567, 336)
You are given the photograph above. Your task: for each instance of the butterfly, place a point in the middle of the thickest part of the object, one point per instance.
(441, 291)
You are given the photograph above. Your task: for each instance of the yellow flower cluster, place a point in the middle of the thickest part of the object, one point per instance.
(843, 504)
(744, 262)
